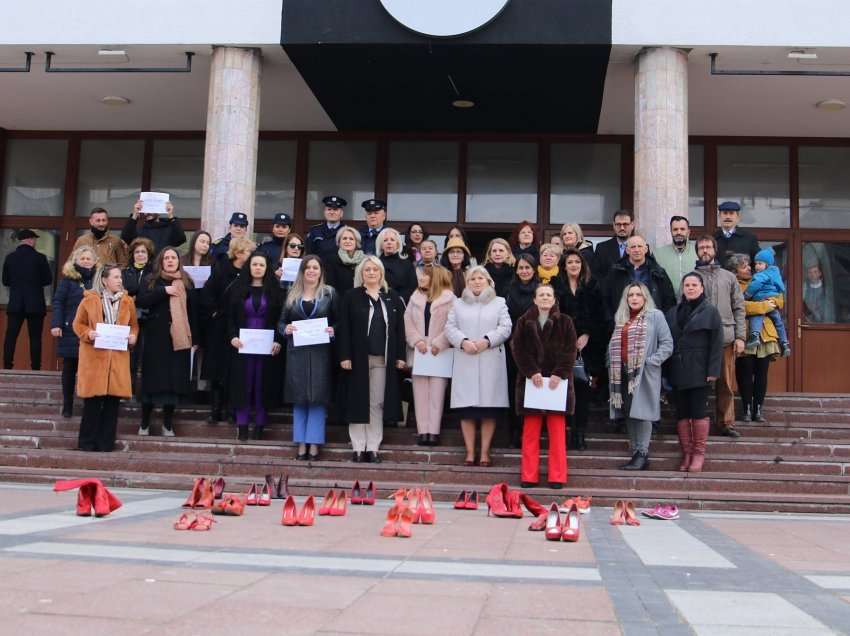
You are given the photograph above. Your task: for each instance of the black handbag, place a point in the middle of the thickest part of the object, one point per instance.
(579, 372)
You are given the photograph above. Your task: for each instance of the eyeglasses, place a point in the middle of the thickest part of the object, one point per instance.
(296, 246)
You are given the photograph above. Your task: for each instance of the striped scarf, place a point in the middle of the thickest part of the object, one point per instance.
(110, 306)
(635, 354)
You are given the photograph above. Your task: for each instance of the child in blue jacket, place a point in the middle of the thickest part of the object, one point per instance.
(766, 282)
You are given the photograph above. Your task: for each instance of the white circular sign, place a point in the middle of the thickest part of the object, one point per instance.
(444, 18)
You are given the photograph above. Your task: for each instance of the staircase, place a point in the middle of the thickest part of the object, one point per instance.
(797, 462)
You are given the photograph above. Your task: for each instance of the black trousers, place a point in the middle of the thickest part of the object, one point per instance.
(14, 322)
(691, 404)
(578, 420)
(751, 374)
(99, 423)
(69, 382)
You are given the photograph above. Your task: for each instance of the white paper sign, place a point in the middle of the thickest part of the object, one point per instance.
(198, 273)
(290, 269)
(435, 366)
(112, 337)
(544, 398)
(154, 202)
(310, 332)
(256, 341)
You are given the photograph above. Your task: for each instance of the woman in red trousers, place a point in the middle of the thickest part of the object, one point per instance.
(544, 348)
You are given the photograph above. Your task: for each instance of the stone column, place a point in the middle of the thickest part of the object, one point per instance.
(233, 122)
(661, 140)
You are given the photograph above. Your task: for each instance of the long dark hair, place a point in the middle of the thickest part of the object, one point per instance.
(271, 286)
(444, 260)
(529, 260)
(584, 272)
(157, 269)
(189, 258)
(425, 234)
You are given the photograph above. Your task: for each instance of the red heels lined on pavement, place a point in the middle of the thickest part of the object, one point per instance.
(334, 504)
(202, 495)
(91, 494)
(467, 500)
(259, 495)
(230, 505)
(293, 517)
(568, 530)
(191, 521)
(359, 496)
(624, 513)
(399, 520)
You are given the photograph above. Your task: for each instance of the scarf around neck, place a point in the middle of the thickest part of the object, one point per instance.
(546, 274)
(110, 305)
(635, 331)
(354, 259)
(181, 333)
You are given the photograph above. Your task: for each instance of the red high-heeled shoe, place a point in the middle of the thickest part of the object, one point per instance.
(553, 524)
(356, 494)
(265, 497)
(631, 517)
(462, 499)
(218, 488)
(391, 525)
(308, 512)
(193, 497)
(327, 503)
(252, 495)
(619, 516)
(471, 500)
(403, 525)
(205, 495)
(426, 513)
(415, 503)
(571, 525)
(369, 497)
(540, 523)
(290, 512)
(339, 505)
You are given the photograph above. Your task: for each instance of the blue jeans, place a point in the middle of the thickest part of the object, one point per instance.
(308, 423)
(757, 322)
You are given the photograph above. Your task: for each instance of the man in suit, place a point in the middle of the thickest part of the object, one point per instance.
(25, 273)
(730, 238)
(611, 251)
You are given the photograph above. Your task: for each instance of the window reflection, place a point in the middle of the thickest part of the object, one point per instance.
(47, 243)
(826, 282)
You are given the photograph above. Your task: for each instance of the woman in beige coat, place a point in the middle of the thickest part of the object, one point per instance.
(424, 328)
(103, 375)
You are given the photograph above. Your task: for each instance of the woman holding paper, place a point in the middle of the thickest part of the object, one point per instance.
(141, 264)
(168, 339)
(478, 326)
(339, 268)
(371, 350)
(544, 348)
(309, 368)
(104, 374)
(255, 378)
(401, 273)
(425, 330)
(293, 247)
(640, 344)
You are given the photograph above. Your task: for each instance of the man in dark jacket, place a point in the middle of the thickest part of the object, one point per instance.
(730, 238)
(640, 267)
(163, 232)
(273, 248)
(321, 239)
(26, 273)
(376, 216)
(614, 249)
(238, 227)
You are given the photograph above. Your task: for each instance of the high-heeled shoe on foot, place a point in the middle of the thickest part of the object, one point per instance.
(619, 516)
(186, 521)
(472, 500)
(290, 512)
(631, 517)
(253, 495)
(308, 512)
(218, 488)
(403, 525)
(390, 526)
(356, 494)
(553, 524)
(460, 502)
(369, 495)
(340, 505)
(203, 523)
(571, 525)
(265, 497)
(426, 513)
(327, 503)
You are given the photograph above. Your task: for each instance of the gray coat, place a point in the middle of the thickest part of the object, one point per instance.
(309, 369)
(646, 401)
(724, 292)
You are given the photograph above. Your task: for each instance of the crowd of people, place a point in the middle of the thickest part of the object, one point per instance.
(618, 322)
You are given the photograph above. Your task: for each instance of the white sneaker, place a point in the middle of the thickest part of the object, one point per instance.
(167, 432)
(144, 432)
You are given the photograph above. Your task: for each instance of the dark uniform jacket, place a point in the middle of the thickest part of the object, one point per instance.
(273, 250)
(369, 236)
(741, 242)
(321, 241)
(26, 273)
(164, 232)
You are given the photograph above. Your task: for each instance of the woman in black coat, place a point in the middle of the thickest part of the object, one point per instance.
(499, 263)
(310, 369)
(78, 275)
(371, 350)
(399, 270)
(141, 264)
(340, 266)
(168, 339)
(697, 332)
(216, 299)
(256, 380)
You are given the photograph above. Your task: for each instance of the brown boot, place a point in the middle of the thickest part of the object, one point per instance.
(700, 438)
(686, 443)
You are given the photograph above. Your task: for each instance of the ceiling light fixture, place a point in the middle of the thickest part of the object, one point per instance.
(114, 100)
(831, 105)
(112, 52)
(463, 103)
(802, 55)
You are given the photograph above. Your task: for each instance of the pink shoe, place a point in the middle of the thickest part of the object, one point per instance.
(653, 512)
(668, 512)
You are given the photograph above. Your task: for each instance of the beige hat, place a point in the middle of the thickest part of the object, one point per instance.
(456, 242)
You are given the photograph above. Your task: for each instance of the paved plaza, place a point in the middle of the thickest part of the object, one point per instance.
(131, 573)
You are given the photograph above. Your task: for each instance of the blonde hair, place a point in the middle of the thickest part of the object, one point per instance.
(575, 227)
(102, 272)
(358, 273)
(382, 236)
(623, 314)
(68, 269)
(296, 292)
(238, 244)
(551, 247)
(358, 239)
(441, 280)
(509, 260)
(479, 269)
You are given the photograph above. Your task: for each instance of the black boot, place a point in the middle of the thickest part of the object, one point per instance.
(372, 457)
(640, 461)
(242, 433)
(578, 439)
(258, 432)
(758, 416)
(168, 421)
(357, 456)
(215, 407)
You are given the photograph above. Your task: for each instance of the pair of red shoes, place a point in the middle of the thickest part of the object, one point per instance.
(259, 495)
(361, 496)
(467, 500)
(566, 530)
(218, 488)
(202, 495)
(504, 502)
(92, 494)
(335, 504)
(191, 521)
(400, 517)
(293, 517)
(230, 505)
(422, 504)
(624, 513)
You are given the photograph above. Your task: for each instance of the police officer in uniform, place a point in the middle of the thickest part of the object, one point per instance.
(376, 216)
(730, 238)
(321, 239)
(272, 248)
(238, 227)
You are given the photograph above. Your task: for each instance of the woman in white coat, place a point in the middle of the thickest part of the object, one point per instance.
(640, 344)
(478, 326)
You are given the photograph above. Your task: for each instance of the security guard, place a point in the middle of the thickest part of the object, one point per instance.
(238, 228)
(281, 227)
(321, 239)
(376, 216)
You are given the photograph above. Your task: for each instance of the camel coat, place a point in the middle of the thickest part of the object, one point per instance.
(414, 322)
(102, 371)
